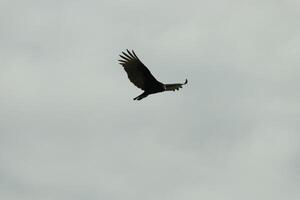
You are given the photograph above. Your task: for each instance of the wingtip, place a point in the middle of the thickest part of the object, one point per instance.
(186, 81)
(129, 54)
(135, 55)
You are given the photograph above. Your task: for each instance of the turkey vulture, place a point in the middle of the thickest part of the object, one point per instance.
(142, 78)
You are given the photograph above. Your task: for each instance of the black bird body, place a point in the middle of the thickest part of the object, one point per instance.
(142, 78)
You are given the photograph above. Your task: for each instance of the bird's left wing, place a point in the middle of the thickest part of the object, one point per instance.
(136, 71)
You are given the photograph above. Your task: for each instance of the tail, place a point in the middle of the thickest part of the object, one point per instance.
(175, 86)
(143, 95)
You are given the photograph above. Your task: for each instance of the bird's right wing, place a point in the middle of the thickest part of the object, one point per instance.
(175, 86)
(136, 71)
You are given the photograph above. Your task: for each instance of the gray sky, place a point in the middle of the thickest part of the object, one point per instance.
(69, 129)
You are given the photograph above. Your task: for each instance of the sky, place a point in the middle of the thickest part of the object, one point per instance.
(70, 130)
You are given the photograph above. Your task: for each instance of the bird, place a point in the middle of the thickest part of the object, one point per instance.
(142, 78)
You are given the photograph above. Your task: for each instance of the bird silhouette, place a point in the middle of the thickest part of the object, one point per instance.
(142, 78)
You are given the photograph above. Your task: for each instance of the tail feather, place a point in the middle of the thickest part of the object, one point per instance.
(141, 96)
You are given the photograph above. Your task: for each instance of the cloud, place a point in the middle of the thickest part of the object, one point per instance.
(69, 126)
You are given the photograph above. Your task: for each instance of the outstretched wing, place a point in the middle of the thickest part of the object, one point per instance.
(175, 86)
(136, 71)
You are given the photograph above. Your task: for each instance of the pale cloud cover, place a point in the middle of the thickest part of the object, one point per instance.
(69, 128)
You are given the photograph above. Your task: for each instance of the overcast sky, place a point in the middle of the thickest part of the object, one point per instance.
(70, 130)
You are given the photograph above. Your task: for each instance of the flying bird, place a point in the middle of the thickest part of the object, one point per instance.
(142, 78)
